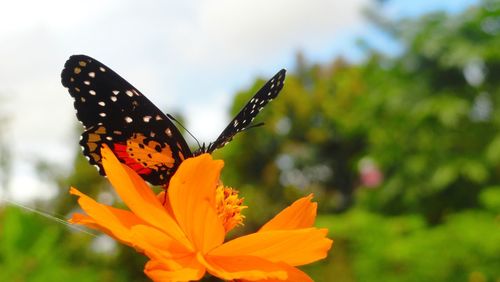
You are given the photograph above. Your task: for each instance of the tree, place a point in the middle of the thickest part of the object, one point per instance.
(425, 118)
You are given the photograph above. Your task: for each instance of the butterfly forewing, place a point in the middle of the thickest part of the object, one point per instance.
(115, 113)
(243, 119)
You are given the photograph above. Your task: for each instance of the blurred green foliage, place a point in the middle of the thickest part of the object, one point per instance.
(402, 152)
(29, 251)
(464, 247)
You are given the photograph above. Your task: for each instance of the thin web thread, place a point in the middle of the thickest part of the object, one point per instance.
(49, 216)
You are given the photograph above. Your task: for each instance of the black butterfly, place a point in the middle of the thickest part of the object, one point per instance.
(115, 113)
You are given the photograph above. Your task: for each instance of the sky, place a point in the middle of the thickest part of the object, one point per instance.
(187, 57)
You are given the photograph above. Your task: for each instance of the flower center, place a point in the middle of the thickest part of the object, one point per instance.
(229, 207)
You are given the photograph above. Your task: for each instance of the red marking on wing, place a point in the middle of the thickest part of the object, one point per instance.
(121, 152)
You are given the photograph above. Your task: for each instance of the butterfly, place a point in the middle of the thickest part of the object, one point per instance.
(115, 113)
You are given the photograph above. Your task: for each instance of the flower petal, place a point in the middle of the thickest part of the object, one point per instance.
(190, 270)
(158, 246)
(300, 214)
(112, 221)
(294, 275)
(192, 197)
(138, 196)
(294, 247)
(243, 267)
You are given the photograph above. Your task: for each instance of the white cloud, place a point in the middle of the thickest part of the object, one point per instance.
(182, 55)
(24, 15)
(248, 30)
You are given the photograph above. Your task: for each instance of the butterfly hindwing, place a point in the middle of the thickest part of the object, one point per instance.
(115, 113)
(243, 119)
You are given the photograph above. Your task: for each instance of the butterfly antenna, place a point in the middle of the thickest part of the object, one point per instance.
(180, 124)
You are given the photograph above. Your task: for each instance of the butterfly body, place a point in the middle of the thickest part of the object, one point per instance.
(115, 113)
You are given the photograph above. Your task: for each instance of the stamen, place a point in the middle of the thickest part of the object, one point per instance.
(229, 207)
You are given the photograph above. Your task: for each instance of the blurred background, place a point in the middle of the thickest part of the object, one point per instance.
(389, 115)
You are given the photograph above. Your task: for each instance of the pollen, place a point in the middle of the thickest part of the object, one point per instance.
(229, 207)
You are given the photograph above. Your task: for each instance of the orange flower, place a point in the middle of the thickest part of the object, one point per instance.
(184, 237)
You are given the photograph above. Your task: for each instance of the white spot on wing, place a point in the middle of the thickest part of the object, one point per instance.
(102, 114)
(102, 69)
(92, 74)
(113, 98)
(146, 118)
(116, 92)
(92, 92)
(128, 119)
(101, 103)
(109, 138)
(86, 82)
(129, 93)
